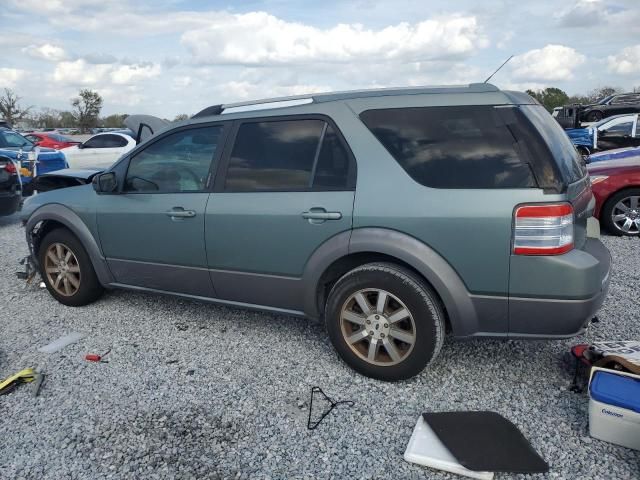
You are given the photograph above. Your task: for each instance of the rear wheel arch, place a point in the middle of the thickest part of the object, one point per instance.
(371, 245)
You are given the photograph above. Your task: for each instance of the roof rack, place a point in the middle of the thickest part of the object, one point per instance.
(295, 100)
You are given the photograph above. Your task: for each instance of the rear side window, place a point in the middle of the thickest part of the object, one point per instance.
(287, 155)
(452, 147)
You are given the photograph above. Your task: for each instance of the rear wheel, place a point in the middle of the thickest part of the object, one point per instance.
(384, 321)
(67, 270)
(621, 213)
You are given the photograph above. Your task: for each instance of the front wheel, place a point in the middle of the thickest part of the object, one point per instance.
(385, 321)
(621, 213)
(67, 270)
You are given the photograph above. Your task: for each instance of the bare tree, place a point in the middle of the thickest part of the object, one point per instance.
(180, 117)
(10, 107)
(87, 106)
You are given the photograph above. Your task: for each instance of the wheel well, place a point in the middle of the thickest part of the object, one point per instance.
(40, 230)
(345, 264)
(613, 194)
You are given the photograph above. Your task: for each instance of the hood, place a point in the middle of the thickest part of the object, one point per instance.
(614, 166)
(615, 155)
(145, 126)
(78, 173)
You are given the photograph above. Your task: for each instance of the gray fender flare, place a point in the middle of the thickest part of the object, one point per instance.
(435, 269)
(68, 218)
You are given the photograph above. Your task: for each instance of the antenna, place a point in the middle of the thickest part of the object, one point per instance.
(498, 69)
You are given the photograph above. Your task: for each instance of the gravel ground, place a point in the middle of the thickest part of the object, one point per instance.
(199, 391)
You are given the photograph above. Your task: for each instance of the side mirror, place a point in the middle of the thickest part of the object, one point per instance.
(81, 145)
(105, 182)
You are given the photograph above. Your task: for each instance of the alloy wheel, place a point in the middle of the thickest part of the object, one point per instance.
(626, 215)
(378, 327)
(62, 269)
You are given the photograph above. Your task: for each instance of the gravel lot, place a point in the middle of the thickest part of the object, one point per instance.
(199, 391)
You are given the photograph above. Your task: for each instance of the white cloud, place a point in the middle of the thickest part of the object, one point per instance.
(551, 63)
(132, 73)
(9, 77)
(81, 73)
(46, 51)
(626, 62)
(181, 82)
(583, 13)
(260, 38)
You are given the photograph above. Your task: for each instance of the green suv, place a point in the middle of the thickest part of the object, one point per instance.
(395, 216)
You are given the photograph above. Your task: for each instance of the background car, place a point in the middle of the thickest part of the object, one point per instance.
(616, 187)
(614, 132)
(51, 140)
(32, 159)
(611, 105)
(10, 193)
(101, 150)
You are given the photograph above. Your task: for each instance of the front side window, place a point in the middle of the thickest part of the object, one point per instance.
(179, 162)
(95, 142)
(291, 155)
(624, 128)
(451, 147)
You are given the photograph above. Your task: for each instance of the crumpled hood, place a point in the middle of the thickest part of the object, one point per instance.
(581, 136)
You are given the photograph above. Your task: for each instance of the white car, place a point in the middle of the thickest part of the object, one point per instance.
(101, 150)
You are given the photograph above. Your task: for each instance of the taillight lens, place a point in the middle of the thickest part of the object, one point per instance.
(543, 229)
(10, 168)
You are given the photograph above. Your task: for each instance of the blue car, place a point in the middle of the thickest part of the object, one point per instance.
(24, 152)
(615, 132)
(617, 154)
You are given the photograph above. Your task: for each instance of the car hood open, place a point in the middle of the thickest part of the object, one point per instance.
(145, 126)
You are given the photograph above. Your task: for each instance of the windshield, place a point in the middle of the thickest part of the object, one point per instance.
(604, 100)
(9, 139)
(565, 154)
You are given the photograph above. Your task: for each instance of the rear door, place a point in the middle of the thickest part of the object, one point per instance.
(286, 186)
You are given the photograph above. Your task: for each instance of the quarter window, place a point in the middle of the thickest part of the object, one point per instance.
(452, 147)
(290, 155)
(620, 129)
(179, 162)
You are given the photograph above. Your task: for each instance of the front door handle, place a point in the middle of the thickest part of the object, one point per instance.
(179, 212)
(319, 215)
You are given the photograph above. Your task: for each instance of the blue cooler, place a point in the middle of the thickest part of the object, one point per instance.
(614, 407)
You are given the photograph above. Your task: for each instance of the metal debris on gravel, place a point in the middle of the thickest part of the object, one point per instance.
(195, 390)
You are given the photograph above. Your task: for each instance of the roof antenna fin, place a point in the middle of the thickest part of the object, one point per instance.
(498, 69)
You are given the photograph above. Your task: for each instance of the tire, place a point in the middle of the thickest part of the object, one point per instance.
(421, 332)
(612, 207)
(78, 285)
(595, 116)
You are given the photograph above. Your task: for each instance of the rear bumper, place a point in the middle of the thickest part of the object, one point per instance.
(573, 300)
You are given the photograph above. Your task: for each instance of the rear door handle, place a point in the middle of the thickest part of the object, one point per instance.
(321, 214)
(179, 212)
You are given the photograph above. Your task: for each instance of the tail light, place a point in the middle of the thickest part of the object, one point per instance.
(10, 168)
(543, 229)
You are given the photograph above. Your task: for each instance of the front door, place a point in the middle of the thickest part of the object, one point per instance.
(619, 133)
(152, 230)
(286, 186)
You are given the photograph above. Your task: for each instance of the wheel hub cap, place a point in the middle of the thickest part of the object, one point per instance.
(62, 270)
(626, 215)
(377, 326)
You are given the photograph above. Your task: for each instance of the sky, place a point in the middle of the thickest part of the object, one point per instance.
(178, 56)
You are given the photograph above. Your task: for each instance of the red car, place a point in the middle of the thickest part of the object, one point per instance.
(51, 140)
(616, 186)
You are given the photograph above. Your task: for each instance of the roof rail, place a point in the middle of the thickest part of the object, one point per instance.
(296, 100)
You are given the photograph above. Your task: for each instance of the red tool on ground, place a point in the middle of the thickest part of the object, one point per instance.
(94, 357)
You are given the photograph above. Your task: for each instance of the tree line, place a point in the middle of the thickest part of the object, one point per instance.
(83, 115)
(553, 97)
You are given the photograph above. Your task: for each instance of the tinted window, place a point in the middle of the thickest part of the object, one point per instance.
(275, 155)
(106, 141)
(452, 147)
(565, 154)
(179, 162)
(333, 170)
(620, 129)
